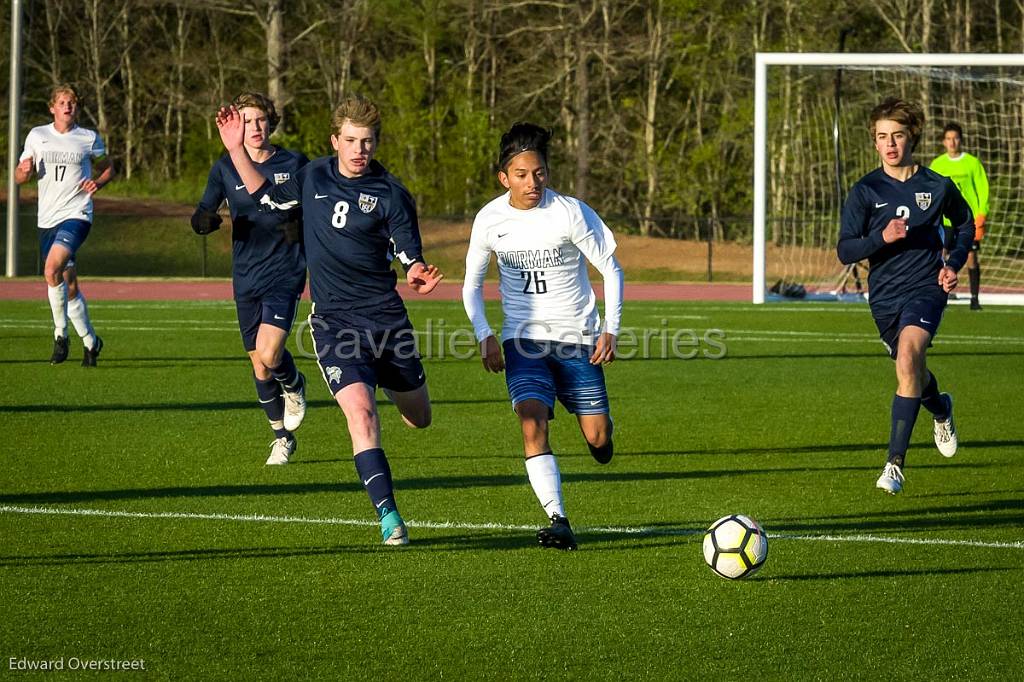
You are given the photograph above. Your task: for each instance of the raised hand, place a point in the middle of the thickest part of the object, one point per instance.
(423, 278)
(231, 127)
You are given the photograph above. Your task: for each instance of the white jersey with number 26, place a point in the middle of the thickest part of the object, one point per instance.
(542, 256)
(62, 161)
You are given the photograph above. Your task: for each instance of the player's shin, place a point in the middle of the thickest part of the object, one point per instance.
(546, 481)
(974, 275)
(375, 473)
(268, 391)
(286, 372)
(932, 401)
(904, 415)
(78, 312)
(58, 297)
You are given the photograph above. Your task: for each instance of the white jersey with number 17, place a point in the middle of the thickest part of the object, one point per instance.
(62, 161)
(542, 256)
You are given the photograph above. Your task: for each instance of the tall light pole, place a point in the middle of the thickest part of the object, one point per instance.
(13, 137)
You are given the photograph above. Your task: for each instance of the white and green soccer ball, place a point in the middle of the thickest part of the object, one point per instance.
(735, 546)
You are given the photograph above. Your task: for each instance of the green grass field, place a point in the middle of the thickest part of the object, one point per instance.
(140, 523)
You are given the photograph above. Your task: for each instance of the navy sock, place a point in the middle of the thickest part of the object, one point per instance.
(974, 276)
(269, 393)
(904, 414)
(374, 472)
(932, 401)
(286, 373)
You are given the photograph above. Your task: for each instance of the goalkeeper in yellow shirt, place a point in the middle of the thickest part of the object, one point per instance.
(968, 175)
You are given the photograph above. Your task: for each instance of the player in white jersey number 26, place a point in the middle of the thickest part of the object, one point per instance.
(553, 339)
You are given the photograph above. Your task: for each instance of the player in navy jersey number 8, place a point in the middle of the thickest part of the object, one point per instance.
(268, 268)
(553, 340)
(357, 218)
(893, 217)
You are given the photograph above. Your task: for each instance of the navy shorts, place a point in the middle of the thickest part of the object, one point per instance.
(545, 370)
(275, 309)
(924, 311)
(70, 234)
(351, 349)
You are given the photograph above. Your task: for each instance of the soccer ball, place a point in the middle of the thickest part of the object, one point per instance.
(735, 546)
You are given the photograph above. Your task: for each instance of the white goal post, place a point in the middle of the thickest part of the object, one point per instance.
(929, 76)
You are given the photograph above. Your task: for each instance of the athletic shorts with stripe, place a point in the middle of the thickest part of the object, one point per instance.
(545, 370)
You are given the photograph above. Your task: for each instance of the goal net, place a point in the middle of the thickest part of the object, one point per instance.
(812, 144)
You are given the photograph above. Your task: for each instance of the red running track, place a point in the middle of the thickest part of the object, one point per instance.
(220, 290)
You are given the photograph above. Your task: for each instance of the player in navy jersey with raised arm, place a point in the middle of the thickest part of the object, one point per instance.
(357, 218)
(268, 267)
(893, 218)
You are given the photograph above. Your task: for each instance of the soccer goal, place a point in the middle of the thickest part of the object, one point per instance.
(812, 143)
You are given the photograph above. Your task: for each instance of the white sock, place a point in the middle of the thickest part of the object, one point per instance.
(547, 483)
(58, 296)
(78, 311)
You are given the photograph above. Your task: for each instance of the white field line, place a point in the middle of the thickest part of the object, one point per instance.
(843, 308)
(761, 335)
(441, 525)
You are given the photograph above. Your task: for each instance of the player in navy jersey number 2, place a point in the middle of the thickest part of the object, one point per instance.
(357, 218)
(553, 340)
(268, 268)
(893, 217)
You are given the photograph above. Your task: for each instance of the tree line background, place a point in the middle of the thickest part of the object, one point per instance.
(651, 101)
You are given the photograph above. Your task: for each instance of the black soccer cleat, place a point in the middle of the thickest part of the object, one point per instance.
(89, 359)
(975, 305)
(60, 350)
(603, 454)
(559, 535)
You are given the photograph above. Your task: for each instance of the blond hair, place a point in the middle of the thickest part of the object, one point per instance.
(63, 89)
(357, 110)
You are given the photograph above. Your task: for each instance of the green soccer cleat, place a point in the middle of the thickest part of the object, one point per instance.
(392, 528)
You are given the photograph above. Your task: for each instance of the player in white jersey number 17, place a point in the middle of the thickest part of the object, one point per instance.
(65, 158)
(553, 341)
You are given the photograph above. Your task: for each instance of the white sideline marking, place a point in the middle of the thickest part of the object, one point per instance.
(440, 525)
(758, 335)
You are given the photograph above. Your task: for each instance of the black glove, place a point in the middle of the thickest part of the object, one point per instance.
(205, 222)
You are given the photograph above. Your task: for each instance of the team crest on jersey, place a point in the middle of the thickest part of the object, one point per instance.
(334, 374)
(281, 178)
(924, 200)
(367, 202)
